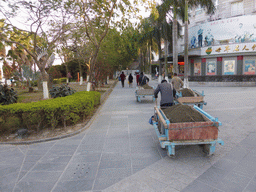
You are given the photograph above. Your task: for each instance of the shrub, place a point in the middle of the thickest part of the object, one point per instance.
(60, 111)
(7, 96)
(56, 81)
(61, 91)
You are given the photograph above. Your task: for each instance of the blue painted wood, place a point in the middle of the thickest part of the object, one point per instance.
(171, 145)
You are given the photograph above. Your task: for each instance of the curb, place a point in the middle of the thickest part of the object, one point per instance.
(102, 101)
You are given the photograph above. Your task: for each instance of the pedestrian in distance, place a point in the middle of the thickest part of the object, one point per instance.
(122, 77)
(176, 82)
(130, 80)
(167, 94)
(137, 79)
(143, 79)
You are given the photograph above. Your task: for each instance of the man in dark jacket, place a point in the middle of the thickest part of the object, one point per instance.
(122, 76)
(167, 93)
(143, 79)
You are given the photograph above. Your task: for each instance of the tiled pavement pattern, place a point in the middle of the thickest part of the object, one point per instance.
(120, 151)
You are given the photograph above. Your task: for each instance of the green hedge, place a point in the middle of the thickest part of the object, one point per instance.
(60, 111)
(60, 80)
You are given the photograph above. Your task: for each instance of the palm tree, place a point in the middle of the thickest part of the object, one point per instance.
(178, 9)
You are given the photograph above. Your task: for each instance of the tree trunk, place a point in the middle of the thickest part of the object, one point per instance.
(186, 84)
(160, 64)
(175, 45)
(45, 78)
(165, 59)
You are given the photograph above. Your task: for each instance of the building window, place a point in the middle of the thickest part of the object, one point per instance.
(237, 8)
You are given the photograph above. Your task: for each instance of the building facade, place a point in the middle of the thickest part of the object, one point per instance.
(224, 43)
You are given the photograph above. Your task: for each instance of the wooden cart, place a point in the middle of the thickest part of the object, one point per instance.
(197, 100)
(189, 133)
(142, 93)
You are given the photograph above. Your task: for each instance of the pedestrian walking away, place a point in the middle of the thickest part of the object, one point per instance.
(137, 78)
(143, 79)
(130, 80)
(122, 77)
(176, 82)
(167, 94)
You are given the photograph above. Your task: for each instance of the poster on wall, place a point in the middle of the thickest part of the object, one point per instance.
(211, 68)
(249, 67)
(229, 67)
(197, 68)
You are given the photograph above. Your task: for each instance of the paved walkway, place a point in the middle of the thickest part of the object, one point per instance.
(120, 151)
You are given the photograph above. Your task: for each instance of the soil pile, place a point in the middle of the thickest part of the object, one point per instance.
(146, 86)
(187, 92)
(182, 113)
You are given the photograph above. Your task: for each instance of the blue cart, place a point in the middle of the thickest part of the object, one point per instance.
(198, 100)
(189, 133)
(142, 93)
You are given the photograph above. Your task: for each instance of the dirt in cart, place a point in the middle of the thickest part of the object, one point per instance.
(187, 92)
(182, 113)
(146, 86)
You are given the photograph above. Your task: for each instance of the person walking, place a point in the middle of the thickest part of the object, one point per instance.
(167, 94)
(137, 78)
(130, 80)
(143, 79)
(122, 77)
(176, 82)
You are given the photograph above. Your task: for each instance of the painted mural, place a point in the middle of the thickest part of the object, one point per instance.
(233, 30)
(229, 67)
(211, 68)
(197, 68)
(249, 67)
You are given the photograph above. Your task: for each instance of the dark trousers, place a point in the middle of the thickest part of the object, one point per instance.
(122, 81)
(165, 105)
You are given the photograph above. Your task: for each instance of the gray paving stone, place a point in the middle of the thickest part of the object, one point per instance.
(80, 171)
(8, 178)
(26, 166)
(237, 154)
(213, 176)
(74, 186)
(33, 158)
(115, 157)
(49, 167)
(31, 186)
(7, 187)
(5, 170)
(115, 164)
(114, 173)
(55, 159)
(198, 186)
(37, 152)
(42, 176)
(225, 164)
(83, 157)
(102, 183)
